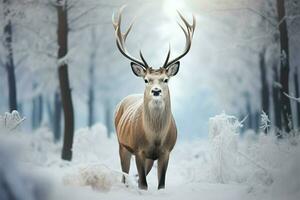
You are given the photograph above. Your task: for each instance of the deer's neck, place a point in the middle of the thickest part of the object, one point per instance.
(157, 115)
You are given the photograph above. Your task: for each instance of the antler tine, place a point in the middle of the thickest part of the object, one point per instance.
(168, 56)
(121, 38)
(188, 33)
(128, 30)
(113, 21)
(143, 59)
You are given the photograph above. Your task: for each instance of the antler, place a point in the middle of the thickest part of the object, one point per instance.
(188, 32)
(121, 39)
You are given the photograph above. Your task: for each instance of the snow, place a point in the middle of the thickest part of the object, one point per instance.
(265, 121)
(10, 121)
(224, 166)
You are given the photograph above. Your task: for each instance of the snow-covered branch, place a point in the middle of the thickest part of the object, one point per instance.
(10, 121)
(86, 12)
(265, 121)
(293, 98)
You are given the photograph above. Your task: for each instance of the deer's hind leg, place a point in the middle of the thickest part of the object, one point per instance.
(125, 157)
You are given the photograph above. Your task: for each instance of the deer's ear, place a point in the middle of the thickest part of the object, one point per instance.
(173, 69)
(138, 70)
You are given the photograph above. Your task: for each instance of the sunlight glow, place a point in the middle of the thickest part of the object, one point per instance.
(170, 7)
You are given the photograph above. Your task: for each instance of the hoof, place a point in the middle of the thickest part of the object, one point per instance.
(143, 187)
(161, 187)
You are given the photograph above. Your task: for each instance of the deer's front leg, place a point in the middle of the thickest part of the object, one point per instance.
(162, 169)
(140, 164)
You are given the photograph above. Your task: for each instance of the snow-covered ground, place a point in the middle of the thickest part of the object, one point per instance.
(225, 166)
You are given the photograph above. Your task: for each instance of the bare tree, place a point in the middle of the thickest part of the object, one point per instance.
(264, 83)
(284, 67)
(56, 116)
(297, 93)
(91, 74)
(37, 110)
(276, 99)
(62, 38)
(9, 61)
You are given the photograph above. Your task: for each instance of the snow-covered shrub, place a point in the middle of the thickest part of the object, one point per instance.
(236, 159)
(265, 122)
(99, 177)
(223, 138)
(258, 160)
(10, 121)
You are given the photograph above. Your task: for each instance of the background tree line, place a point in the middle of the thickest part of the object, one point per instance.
(59, 53)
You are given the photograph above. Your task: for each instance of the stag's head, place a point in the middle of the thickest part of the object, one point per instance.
(156, 80)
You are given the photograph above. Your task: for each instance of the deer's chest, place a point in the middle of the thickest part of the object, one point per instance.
(154, 146)
(153, 149)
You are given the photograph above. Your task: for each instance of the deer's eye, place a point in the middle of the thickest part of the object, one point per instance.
(166, 80)
(146, 81)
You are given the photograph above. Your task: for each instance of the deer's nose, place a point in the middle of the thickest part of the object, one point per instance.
(156, 91)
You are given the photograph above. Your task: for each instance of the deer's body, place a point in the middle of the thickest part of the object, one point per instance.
(144, 123)
(140, 130)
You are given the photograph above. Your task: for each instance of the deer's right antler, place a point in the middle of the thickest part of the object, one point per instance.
(121, 39)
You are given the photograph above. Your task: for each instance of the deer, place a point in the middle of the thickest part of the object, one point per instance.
(144, 123)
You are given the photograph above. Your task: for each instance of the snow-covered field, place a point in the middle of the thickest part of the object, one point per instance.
(225, 166)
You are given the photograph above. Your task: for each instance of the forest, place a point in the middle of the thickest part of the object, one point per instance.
(235, 99)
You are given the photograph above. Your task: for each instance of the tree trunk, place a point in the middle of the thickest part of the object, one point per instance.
(264, 84)
(33, 114)
(62, 37)
(9, 61)
(249, 113)
(284, 67)
(108, 118)
(56, 116)
(40, 110)
(297, 93)
(37, 110)
(91, 95)
(276, 101)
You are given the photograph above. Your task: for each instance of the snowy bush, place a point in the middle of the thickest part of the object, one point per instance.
(99, 177)
(223, 137)
(10, 121)
(257, 160)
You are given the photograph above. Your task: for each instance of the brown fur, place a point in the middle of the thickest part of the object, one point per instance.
(147, 134)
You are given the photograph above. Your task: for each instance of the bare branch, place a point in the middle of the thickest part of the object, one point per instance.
(80, 28)
(17, 124)
(83, 14)
(292, 98)
(72, 4)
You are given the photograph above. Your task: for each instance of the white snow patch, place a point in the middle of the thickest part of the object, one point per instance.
(99, 177)
(226, 166)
